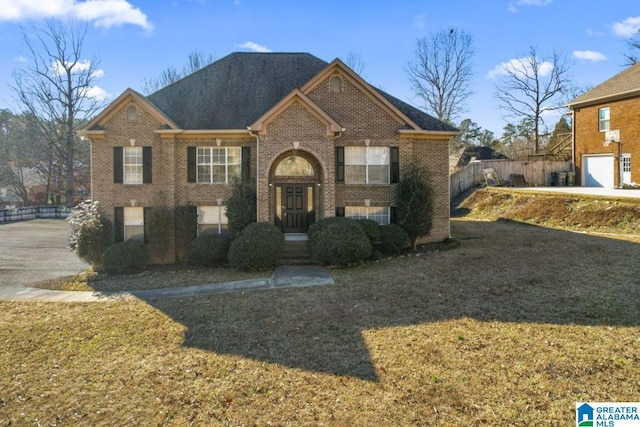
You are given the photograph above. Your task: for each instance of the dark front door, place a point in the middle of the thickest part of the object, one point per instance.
(294, 209)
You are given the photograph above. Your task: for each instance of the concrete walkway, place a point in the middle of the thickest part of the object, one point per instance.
(33, 251)
(283, 277)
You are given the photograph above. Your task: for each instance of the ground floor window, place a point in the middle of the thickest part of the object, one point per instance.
(212, 220)
(377, 213)
(134, 223)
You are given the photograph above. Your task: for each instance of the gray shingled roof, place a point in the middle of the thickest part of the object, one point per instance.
(233, 92)
(622, 84)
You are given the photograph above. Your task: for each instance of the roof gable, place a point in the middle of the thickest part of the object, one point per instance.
(296, 96)
(125, 98)
(622, 85)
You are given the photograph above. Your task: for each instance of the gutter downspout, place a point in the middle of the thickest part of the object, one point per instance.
(255, 134)
(573, 145)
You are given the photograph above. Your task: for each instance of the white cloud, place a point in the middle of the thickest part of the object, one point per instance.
(59, 68)
(513, 5)
(420, 21)
(589, 55)
(98, 74)
(520, 66)
(21, 59)
(627, 28)
(103, 13)
(98, 93)
(255, 47)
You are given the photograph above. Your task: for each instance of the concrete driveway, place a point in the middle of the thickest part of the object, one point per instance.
(32, 251)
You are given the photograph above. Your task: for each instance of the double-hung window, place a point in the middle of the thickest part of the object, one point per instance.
(377, 213)
(366, 165)
(218, 165)
(604, 119)
(133, 165)
(134, 223)
(212, 220)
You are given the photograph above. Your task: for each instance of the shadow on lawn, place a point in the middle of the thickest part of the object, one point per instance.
(506, 273)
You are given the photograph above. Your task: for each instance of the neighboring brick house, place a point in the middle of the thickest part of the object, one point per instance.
(611, 106)
(315, 138)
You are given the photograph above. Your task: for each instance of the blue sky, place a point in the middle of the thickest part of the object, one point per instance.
(135, 39)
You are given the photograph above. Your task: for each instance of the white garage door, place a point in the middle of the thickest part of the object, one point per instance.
(598, 171)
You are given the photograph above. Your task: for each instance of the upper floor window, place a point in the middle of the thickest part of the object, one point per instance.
(604, 119)
(218, 165)
(366, 165)
(133, 165)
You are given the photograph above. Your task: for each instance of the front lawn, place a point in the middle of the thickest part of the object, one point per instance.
(511, 328)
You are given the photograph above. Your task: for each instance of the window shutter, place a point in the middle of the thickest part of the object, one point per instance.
(118, 169)
(118, 224)
(246, 165)
(340, 164)
(340, 211)
(393, 215)
(146, 165)
(395, 165)
(145, 217)
(191, 164)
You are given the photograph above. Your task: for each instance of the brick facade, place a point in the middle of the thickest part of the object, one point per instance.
(365, 117)
(589, 140)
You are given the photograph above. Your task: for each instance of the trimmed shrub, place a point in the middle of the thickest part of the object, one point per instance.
(208, 249)
(123, 257)
(241, 207)
(258, 247)
(416, 199)
(394, 239)
(186, 228)
(371, 229)
(338, 241)
(90, 233)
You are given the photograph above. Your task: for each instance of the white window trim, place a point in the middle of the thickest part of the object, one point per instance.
(366, 213)
(227, 178)
(212, 215)
(128, 178)
(367, 164)
(133, 217)
(601, 120)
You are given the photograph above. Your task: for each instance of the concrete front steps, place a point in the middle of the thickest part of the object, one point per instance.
(296, 251)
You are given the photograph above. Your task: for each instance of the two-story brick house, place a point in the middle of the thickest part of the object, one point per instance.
(606, 134)
(314, 137)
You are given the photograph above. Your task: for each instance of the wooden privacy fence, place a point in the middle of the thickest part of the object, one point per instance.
(536, 173)
(24, 214)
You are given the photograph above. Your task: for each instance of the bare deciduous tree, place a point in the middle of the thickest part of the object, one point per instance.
(169, 75)
(633, 49)
(533, 85)
(56, 87)
(356, 63)
(440, 75)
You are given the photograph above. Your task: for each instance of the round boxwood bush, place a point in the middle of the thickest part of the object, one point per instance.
(371, 229)
(394, 239)
(338, 241)
(258, 247)
(208, 249)
(124, 257)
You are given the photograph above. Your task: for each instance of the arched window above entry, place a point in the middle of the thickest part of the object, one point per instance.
(335, 84)
(294, 166)
(132, 113)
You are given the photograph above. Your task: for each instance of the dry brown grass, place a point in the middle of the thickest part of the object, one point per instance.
(511, 328)
(584, 213)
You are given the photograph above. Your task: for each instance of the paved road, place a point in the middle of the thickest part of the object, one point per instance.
(32, 251)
